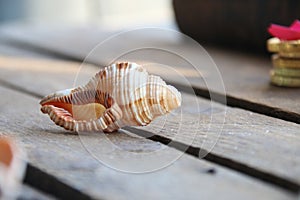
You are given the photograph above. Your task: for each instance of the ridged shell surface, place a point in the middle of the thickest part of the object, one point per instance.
(122, 94)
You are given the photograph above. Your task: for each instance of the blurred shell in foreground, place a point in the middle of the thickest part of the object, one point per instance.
(12, 169)
(122, 94)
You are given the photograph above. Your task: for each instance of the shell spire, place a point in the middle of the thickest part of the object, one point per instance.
(122, 94)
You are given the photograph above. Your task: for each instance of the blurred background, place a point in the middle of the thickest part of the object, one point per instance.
(234, 24)
(112, 15)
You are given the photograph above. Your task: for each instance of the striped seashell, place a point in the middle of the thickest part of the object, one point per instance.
(122, 94)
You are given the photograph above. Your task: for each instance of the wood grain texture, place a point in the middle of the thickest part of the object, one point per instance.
(261, 142)
(62, 154)
(246, 77)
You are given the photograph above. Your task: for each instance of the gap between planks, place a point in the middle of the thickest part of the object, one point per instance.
(191, 150)
(216, 159)
(240, 103)
(51, 185)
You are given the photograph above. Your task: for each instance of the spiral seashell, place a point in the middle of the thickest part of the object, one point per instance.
(122, 94)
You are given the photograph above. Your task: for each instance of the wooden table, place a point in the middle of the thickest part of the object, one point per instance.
(246, 143)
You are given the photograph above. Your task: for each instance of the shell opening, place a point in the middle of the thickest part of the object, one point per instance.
(74, 110)
(84, 112)
(78, 106)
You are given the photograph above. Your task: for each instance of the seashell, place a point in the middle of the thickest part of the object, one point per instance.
(12, 169)
(122, 94)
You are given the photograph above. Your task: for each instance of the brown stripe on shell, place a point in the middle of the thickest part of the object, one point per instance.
(80, 97)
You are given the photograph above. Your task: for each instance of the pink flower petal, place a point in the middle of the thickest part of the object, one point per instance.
(285, 33)
(295, 25)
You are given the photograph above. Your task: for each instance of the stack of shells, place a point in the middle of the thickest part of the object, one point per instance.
(286, 58)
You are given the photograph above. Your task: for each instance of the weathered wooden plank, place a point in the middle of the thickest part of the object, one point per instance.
(61, 154)
(10, 50)
(264, 143)
(9, 34)
(28, 193)
(246, 77)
